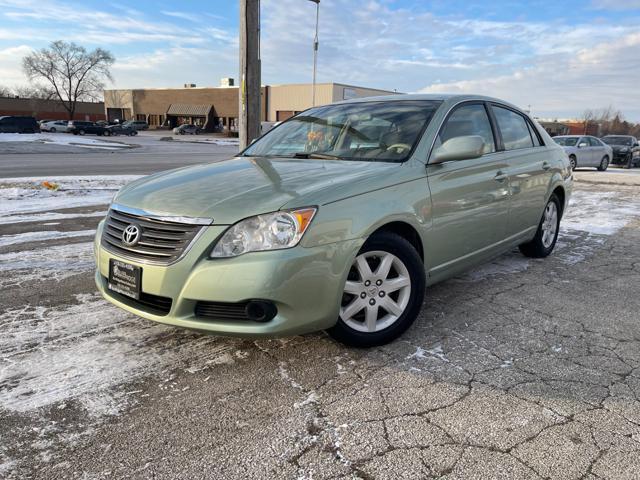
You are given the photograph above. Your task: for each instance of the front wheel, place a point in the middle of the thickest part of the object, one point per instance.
(383, 293)
(52, 129)
(604, 163)
(547, 234)
(81, 132)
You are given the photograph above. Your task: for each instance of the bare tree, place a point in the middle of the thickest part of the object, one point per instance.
(5, 91)
(588, 117)
(72, 73)
(39, 92)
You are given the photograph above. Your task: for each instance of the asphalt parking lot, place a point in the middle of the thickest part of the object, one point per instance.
(519, 369)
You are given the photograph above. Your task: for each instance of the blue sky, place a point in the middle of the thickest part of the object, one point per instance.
(560, 57)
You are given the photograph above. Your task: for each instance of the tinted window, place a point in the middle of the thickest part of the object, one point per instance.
(468, 120)
(367, 131)
(513, 126)
(566, 141)
(594, 142)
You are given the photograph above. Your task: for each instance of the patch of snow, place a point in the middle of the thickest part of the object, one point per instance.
(43, 217)
(311, 398)
(52, 263)
(557, 348)
(20, 196)
(436, 351)
(6, 240)
(602, 213)
(60, 139)
(284, 374)
(83, 352)
(507, 363)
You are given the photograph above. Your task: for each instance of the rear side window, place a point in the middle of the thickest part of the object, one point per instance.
(514, 129)
(468, 120)
(594, 142)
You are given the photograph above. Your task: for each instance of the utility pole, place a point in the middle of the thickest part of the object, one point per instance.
(315, 55)
(249, 94)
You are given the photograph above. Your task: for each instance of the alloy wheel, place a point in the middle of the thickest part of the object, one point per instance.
(376, 293)
(549, 224)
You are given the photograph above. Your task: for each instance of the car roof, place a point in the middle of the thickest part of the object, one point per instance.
(570, 136)
(614, 135)
(441, 97)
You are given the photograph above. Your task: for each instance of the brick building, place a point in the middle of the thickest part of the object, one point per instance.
(50, 109)
(209, 107)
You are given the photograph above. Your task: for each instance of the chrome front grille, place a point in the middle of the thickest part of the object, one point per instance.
(160, 241)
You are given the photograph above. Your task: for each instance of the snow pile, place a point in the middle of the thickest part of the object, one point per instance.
(19, 196)
(60, 139)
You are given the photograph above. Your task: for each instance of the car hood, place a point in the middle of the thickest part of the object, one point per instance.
(235, 189)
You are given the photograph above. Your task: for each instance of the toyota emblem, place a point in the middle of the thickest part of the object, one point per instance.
(131, 235)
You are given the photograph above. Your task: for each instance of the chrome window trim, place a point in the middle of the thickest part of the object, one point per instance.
(162, 217)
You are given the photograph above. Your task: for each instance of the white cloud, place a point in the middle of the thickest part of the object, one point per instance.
(11, 65)
(555, 65)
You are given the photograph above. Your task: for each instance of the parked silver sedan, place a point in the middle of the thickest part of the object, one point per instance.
(55, 126)
(586, 151)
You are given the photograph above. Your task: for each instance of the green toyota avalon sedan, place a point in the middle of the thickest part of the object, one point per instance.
(337, 219)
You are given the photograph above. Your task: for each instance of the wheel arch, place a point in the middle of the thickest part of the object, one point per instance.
(561, 194)
(406, 231)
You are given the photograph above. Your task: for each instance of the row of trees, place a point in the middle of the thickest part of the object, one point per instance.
(611, 122)
(66, 72)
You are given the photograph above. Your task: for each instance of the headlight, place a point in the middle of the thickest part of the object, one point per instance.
(272, 231)
(624, 149)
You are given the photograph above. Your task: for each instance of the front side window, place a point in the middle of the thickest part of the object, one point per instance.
(513, 126)
(364, 131)
(566, 141)
(468, 120)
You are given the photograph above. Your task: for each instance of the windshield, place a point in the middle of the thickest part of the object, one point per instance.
(566, 141)
(368, 131)
(627, 141)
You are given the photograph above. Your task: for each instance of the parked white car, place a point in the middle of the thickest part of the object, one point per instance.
(586, 151)
(55, 126)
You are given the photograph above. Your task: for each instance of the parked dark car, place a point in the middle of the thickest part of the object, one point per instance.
(187, 129)
(18, 124)
(626, 150)
(137, 124)
(80, 128)
(120, 130)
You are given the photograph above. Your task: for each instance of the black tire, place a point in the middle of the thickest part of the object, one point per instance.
(604, 163)
(107, 133)
(52, 129)
(396, 245)
(629, 161)
(81, 132)
(536, 247)
(573, 162)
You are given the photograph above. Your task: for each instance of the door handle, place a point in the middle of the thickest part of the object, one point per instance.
(500, 176)
(546, 166)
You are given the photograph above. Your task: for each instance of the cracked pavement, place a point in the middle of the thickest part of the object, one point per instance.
(520, 369)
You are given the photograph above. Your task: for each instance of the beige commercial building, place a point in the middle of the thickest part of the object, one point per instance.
(217, 107)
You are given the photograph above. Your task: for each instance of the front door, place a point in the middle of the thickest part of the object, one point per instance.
(470, 198)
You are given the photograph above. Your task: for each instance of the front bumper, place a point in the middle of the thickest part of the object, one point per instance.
(305, 284)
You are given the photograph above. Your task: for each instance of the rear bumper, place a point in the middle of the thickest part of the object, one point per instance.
(305, 285)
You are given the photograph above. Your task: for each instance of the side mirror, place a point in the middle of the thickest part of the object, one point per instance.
(582, 145)
(636, 144)
(458, 148)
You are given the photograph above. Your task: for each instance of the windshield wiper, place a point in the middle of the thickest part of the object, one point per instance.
(322, 156)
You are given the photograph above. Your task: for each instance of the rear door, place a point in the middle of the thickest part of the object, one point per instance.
(598, 151)
(470, 198)
(529, 170)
